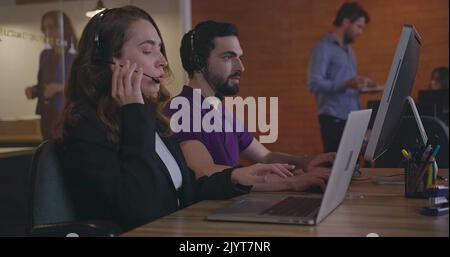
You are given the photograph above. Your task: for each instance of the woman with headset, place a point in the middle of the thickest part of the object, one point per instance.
(120, 162)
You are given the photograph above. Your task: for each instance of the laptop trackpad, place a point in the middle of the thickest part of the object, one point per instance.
(252, 205)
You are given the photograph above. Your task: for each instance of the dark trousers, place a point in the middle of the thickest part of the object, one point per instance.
(331, 129)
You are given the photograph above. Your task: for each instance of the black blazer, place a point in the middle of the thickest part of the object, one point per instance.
(129, 184)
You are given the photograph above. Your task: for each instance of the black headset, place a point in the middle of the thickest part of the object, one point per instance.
(197, 62)
(99, 53)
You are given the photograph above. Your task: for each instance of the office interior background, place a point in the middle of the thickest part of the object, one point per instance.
(276, 36)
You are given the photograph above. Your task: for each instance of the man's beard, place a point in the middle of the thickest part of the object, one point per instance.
(221, 86)
(348, 39)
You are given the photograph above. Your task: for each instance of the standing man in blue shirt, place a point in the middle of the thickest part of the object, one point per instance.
(333, 75)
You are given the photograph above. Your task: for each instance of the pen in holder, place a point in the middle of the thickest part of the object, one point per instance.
(419, 175)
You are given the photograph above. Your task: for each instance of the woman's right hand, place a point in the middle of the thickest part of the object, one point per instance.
(257, 173)
(126, 88)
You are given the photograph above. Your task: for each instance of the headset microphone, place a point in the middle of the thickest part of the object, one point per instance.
(153, 78)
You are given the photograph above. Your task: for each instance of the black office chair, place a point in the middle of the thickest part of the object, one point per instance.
(52, 209)
(437, 133)
(434, 103)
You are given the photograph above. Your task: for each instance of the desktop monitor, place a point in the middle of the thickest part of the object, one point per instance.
(396, 95)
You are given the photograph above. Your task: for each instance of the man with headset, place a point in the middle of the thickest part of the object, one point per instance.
(211, 55)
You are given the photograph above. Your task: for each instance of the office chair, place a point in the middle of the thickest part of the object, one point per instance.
(437, 133)
(52, 210)
(434, 103)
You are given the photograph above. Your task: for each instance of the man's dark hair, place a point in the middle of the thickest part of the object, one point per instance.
(198, 43)
(351, 11)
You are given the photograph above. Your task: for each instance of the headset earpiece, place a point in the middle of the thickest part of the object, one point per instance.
(99, 53)
(197, 61)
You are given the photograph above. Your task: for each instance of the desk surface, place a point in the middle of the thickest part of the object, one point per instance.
(20, 140)
(14, 151)
(368, 208)
(36, 139)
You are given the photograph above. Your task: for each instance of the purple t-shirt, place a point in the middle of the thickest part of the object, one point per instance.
(224, 147)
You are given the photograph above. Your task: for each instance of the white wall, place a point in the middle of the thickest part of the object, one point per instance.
(19, 57)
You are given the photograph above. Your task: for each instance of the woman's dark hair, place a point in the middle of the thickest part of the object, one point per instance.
(197, 44)
(443, 76)
(351, 11)
(90, 84)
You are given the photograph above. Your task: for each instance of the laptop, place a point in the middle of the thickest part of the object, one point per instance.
(305, 209)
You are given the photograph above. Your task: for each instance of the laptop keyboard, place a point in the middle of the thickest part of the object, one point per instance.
(294, 206)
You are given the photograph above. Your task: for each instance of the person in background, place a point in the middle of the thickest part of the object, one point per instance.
(333, 74)
(55, 62)
(434, 100)
(439, 79)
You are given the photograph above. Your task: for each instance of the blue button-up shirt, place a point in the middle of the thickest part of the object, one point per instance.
(330, 65)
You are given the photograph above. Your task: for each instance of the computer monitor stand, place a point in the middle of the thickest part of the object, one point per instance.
(423, 138)
(410, 102)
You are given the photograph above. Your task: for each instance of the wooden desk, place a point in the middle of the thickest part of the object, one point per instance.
(15, 151)
(369, 208)
(20, 140)
(20, 133)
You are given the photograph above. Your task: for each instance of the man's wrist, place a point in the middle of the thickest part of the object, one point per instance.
(234, 177)
(235, 174)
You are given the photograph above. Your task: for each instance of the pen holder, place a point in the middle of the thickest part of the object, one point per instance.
(418, 176)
